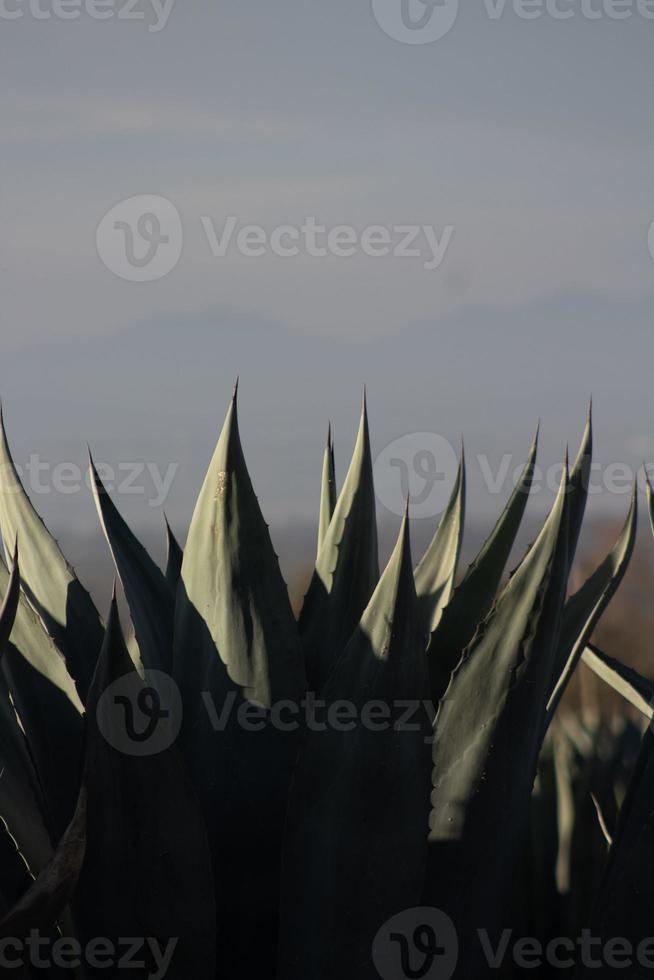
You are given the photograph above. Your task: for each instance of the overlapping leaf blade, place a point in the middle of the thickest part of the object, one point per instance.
(174, 558)
(436, 570)
(149, 595)
(347, 568)
(236, 642)
(47, 703)
(50, 583)
(636, 689)
(487, 738)
(147, 868)
(473, 598)
(583, 609)
(327, 490)
(356, 836)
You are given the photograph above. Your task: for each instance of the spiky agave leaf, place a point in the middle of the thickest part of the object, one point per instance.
(147, 868)
(624, 901)
(15, 875)
(355, 845)
(10, 604)
(435, 572)
(636, 689)
(473, 597)
(578, 491)
(583, 609)
(346, 570)
(46, 900)
(232, 588)
(174, 558)
(21, 799)
(46, 701)
(149, 595)
(48, 580)
(487, 739)
(626, 894)
(237, 647)
(327, 490)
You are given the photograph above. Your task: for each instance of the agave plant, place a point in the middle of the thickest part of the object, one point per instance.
(280, 850)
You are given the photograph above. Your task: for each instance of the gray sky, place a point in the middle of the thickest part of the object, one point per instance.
(532, 139)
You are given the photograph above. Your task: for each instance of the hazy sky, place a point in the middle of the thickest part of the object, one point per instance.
(532, 141)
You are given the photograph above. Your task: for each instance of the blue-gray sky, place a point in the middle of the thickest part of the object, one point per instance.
(534, 139)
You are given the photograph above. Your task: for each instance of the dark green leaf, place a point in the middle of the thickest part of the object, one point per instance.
(355, 846)
(149, 595)
(327, 490)
(437, 569)
(48, 580)
(584, 609)
(473, 598)
(147, 868)
(488, 735)
(347, 568)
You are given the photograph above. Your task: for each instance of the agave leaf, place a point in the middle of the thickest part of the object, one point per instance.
(46, 701)
(437, 569)
(624, 901)
(15, 875)
(21, 800)
(21, 803)
(473, 598)
(355, 846)
(10, 604)
(627, 890)
(45, 901)
(232, 582)
(579, 480)
(147, 868)
(149, 595)
(37, 647)
(583, 609)
(327, 490)
(635, 688)
(487, 739)
(347, 568)
(174, 558)
(48, 580)
(236, 641)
